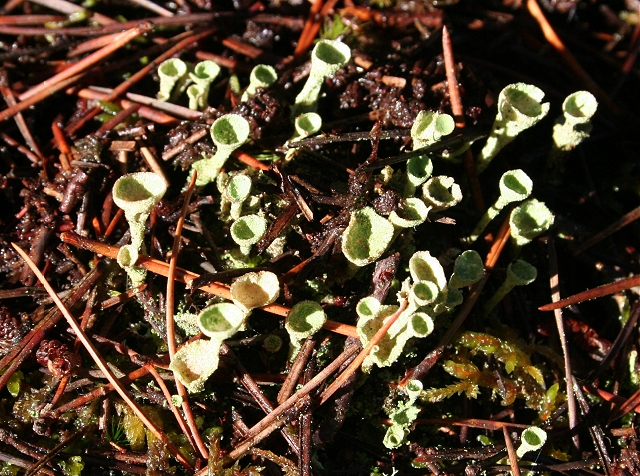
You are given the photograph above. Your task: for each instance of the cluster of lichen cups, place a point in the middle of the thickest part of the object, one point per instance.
(195, 361)
(369, 235)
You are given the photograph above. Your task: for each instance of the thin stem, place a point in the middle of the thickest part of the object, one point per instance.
(554, 284)
(513, 459)
(171, 332)
(458, 114)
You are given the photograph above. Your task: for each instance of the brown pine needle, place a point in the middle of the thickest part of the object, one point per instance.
(303, 41)
(10, 99)
(94, 58)
(102, 364)
(62, 145)
(554, 284)
(36, 98)
(589, 294)
(249, 160)
(578, 71)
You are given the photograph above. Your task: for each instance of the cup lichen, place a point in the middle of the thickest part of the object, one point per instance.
(519, 108)
(327, 57)
(531, 439)
(529, 220)
(515, 186)
(441, 192)
(136, 194)
(262, 76)
(203, 74)
(570, 129)
(519, 273)
(171, 73)
(228, 133)
(304, 319)
(366, 237)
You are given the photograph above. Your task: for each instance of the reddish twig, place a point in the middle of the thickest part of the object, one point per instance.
(10, 99)
(81, 66)
(11, 142)
(303, 41)
(615, 399)
(249, 160)
(184, 276)
(63, 147)
(113, 223)
(96, 393)
(589, 294)
(182, 44)
(117, 119)
(14, 358)
(513, 459)
(84, 321)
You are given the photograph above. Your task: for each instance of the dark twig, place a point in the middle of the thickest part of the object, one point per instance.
(458, 115)
(595, 430)
(274, 420)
